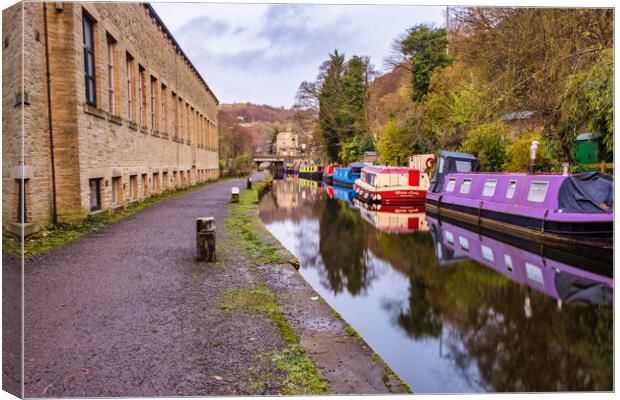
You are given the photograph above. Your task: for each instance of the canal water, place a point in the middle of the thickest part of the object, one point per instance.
(450, 309)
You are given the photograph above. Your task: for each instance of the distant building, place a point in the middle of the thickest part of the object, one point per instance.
(287, 144)
(370, 157)
(522, 121)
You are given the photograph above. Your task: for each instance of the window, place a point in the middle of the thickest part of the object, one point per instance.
(465, 186)
(153, 107)
(22, 203)
(174, 178)
(133, 187)
(449, 237)
(165, 180)
(489, 187)
(538, 191)
(95, 194)
(508, 261)
(450, 185)
(145, 186)
(129, 67)
(142, 95)
(111, 81)
(156, 182)
(180, 113)
(487, 253)
(187, 125)
(173, 115)
(163, 108)
(116, 190)
(88, 25)
(463, 166)
(534, 274)
(510, 191)
(464, 243)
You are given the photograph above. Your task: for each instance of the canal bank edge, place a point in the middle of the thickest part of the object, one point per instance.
(344, 360)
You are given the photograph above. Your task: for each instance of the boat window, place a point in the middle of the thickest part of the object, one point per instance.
(510, 192)
(463, 166)
(489, 187)
(538, 191)
(466, 186)
(449, 237)
(371, 179)
(534, 274)
(450, 186)
(508, 261)
(487, 253)
(464, 243)
(440, 167)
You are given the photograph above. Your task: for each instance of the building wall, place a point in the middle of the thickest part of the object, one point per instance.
(92, 141)
(287, 144)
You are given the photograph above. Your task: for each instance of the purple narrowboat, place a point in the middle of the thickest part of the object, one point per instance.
(558, 207)
(556, 276)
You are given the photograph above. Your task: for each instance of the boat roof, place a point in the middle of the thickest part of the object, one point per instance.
(382, 169)
(456, 154)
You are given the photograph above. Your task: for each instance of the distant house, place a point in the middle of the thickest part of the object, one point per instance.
(370, 157)
(522, 121)
(287, 143)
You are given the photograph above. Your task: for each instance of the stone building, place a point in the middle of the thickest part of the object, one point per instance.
(287, 143)
(102, 108)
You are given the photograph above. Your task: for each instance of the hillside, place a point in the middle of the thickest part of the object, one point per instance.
(255, 113)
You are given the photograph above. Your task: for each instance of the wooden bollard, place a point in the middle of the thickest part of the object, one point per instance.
(249, 183)
(205, 239)
(234, 195)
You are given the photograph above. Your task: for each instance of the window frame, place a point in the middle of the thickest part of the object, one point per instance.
(111, 42)
(97, 205)
(469, 182)
(509, 187)
(484, 187)
(449, 187)
(544, 196)
(89, 54)
(130, 84)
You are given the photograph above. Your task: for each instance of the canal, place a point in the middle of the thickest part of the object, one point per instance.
(450, 309)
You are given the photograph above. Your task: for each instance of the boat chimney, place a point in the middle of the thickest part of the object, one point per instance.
(565, 169)
(533, 149)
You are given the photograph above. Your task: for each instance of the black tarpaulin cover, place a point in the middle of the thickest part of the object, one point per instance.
(589, 192)
(577, 290)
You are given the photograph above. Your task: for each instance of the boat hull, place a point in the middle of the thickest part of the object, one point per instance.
(390, 196)
(591, 233)
(314, 176)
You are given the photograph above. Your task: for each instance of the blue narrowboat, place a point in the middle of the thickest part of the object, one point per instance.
(346, 176)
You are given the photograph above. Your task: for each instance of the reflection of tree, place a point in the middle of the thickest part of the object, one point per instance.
(419, 320)
(343, 248)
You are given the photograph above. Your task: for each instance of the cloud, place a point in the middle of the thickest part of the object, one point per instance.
(261, 53)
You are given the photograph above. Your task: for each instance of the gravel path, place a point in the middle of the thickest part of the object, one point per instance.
(127, 311)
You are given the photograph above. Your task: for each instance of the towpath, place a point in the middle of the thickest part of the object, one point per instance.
(127, 311)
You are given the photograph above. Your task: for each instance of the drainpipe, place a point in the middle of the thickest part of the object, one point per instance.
(533, 149)
(49, 115)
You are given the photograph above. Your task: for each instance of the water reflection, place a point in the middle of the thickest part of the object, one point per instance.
(447, 319)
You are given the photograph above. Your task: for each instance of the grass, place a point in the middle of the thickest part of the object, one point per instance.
(350, 331)
(61, 234)
(242, 225)
(297, 371)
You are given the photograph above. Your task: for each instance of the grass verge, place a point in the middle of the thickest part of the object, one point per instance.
(242, 225)
(291, 367)
(61, 234)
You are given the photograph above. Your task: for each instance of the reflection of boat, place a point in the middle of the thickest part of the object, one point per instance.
(344, 194)
(314, 172)
(393, 218)
(557, 277)
(309, 183)
(391, 185)
(559, 207)
(346, 176)
(328, 174)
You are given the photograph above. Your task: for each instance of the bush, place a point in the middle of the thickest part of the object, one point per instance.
(488, 142)
(518, 154)
(240, 165)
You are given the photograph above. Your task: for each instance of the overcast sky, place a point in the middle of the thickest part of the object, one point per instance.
(261, 52)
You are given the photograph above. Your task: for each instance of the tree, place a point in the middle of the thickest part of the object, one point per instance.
(423, 48)
(392, 146)
(272, 141)
(488, 142)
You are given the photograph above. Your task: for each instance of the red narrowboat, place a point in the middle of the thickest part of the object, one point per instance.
(392, 185)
